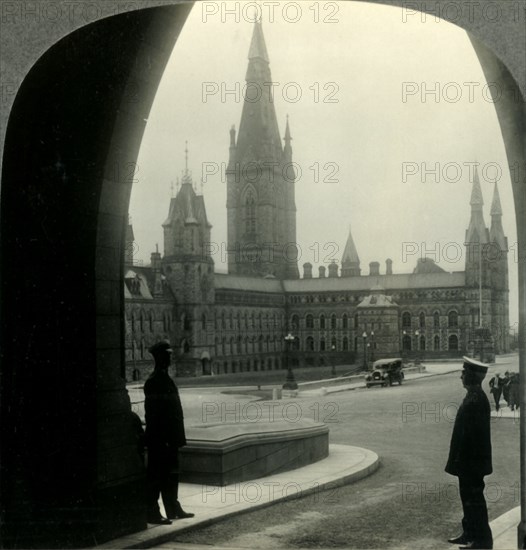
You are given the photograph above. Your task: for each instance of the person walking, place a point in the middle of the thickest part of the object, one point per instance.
(496, 384)
(165, 435)
(470, 457)
(513, 386)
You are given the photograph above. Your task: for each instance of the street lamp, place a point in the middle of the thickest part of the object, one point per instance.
(417, 358)
(364, 336)
(290, 382)
(333, 369)
(372, 346)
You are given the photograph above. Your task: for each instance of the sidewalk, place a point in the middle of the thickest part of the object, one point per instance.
(345, 464)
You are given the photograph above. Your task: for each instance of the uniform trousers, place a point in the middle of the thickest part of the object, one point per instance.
(475, 521)
(163, 478)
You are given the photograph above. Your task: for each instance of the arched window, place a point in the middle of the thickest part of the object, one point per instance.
(345, 321)
(268, 343)
(436, 319)
(309, 321)
(422, 319)
(142, 321)
(187, 325)
(436, 343)
(232, 345)
(203, 321)
(250, 213)
(223, 320)
(309, 343)
(223, 346)
(238, 320)
(185, 345)
(322, 321)
(294, 322)
(422, 342)
(133, 322)
(406, 342)
(260, 342)
(406, 319)
(151, 321)
(238, 346)
(142, 349)
(453, 342)
(345, 343)
(356, 320)
(333, 321)
(322, 344)
(452, 318)
(296, 344)
(231, 321)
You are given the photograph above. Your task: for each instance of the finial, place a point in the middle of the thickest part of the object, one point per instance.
(186, 157)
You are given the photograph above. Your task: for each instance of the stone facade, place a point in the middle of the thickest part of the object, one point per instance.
(221, 323)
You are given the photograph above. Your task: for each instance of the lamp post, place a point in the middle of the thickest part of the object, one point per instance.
(417, 358)
(290, 382)
(333, 369)
(364, 336)
(372, 346)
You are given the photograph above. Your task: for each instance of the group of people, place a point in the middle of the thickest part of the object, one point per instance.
(507, 386)
(470, 457)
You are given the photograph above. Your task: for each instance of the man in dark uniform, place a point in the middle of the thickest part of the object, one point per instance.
(470, 457)
(164, 436)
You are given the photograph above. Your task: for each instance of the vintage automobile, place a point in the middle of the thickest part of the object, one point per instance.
(385, 372)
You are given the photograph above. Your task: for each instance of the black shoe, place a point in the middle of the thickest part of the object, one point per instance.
(477, 545)
(179, 513)
(461, 539)
(159, 520)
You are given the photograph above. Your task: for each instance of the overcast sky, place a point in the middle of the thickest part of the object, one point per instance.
(364, 116)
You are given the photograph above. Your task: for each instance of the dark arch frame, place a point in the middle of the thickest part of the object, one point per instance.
(77, 237)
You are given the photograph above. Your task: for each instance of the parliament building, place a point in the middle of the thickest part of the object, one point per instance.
(236, 322)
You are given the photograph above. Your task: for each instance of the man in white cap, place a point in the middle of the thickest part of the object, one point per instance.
(164, 436)
(470, 457)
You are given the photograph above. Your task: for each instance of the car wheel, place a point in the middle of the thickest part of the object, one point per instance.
(400, 382)
(367, 385)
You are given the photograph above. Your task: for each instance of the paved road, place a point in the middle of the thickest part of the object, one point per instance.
(409, 502)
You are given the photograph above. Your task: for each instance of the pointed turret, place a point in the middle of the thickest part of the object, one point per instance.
(186, 229)
(477, 231)
(287, 149)
(350, 259)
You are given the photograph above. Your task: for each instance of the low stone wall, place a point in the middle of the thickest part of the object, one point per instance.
(222, 454)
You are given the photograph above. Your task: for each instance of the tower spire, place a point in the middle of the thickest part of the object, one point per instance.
(186, 158)
(350, 258)
(258, 48)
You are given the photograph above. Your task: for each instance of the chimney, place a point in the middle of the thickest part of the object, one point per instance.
(307, 270)
(321, 269)
(388, 266)
(333, 269)
(374, 268)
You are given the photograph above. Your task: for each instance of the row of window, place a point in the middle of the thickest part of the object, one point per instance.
(146, 322)
(452, 343)
(246, 320)
(332, 322)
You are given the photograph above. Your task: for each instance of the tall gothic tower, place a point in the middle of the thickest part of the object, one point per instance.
(260, 181)
(498, 258)
(477, 239)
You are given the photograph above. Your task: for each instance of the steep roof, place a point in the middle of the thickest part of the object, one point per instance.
(350, 254)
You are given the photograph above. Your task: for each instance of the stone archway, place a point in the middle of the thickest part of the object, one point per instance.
(70, 475)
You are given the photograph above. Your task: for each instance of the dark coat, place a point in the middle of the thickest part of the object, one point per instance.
(163, 413)
(470, 448)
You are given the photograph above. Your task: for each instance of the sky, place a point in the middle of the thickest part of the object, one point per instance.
(388, 115)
